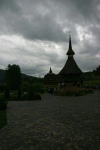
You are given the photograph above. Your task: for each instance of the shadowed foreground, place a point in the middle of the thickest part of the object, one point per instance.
(59, 123)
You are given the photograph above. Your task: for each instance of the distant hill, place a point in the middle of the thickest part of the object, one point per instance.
(24, 76)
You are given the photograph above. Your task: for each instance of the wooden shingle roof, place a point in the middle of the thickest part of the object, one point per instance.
(70, 67)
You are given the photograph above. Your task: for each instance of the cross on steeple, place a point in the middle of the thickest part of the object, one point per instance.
(69, 33)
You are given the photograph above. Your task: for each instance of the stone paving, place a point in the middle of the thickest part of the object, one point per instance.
(53, 123)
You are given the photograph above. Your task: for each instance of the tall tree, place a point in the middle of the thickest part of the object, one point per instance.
(13, 76)
(97, 71)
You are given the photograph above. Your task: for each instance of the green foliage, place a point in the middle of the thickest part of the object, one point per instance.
(26, 78)
(24, 96)
(37, 80)
(25, 86)
(38, 88)
(13, 76)
(2, 88)
(92, 82)
(36, 97)
(7, 93)
(14, 97)
(3, 118)
(2, 74)
(3, 103)
(30, 92)
(80, 92)
(88, 76)
(97, 71)
(19, 93)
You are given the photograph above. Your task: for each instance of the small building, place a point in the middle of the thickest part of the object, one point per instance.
(50, 78)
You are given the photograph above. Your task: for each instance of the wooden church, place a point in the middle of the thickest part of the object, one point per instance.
(69, 74)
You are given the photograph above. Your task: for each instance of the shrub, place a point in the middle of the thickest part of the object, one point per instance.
(13, 97)
(78, 92)
(25, 86)
(7, 93)
(37, 97)
(30, 93)
(3, 103)
(23, 97)
(2, 88)
(3, 118)
(19, 93)
(38, 88)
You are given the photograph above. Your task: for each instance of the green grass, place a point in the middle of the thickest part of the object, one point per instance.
(3, 118)
(92, 82)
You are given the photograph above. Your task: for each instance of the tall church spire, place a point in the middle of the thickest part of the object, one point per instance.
(70, 66)
(70, 51)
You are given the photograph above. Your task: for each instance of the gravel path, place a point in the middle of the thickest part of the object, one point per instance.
(53, 123)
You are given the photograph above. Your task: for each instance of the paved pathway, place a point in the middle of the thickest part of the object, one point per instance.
(53, 123)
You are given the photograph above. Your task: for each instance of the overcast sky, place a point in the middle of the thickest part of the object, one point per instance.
(35, 33)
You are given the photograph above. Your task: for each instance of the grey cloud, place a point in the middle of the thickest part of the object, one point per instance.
(9, 5)
(47, 23)
(43, 28)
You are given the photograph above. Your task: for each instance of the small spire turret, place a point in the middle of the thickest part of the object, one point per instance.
(50, 70)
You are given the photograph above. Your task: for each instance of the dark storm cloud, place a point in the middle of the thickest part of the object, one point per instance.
(34, 33)
(9, 5)
(43, 27)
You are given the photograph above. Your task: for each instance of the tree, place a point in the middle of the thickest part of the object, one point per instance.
(97, 72)
(30, 93)
(13, 77)
(25, 86)
(6, 93)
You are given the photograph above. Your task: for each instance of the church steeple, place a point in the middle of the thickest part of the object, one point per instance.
(70, 66)
(70, 52)
(50, 72)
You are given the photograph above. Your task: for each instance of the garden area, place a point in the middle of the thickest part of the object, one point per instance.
(17, 89)
(71, 92)
(26, 93)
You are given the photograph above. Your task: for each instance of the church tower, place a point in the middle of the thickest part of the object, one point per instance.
(50, 78)
(70, 73)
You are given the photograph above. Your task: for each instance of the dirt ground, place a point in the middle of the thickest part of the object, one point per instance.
(53, 123)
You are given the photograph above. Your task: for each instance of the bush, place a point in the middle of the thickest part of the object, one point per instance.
(3, 103)
(36, 97)
(6, 93)
(38, 88)
(25, 86)
(2, 88)
(23, 97)
(30, 93)
(19, 93)
(73, 92)
(13, 97)
(3, 118)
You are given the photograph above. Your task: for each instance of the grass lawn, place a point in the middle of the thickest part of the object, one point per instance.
(3, 118)
(92, 82)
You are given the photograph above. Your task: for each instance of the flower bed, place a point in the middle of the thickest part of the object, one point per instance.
(78, 92)
(33, 97)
